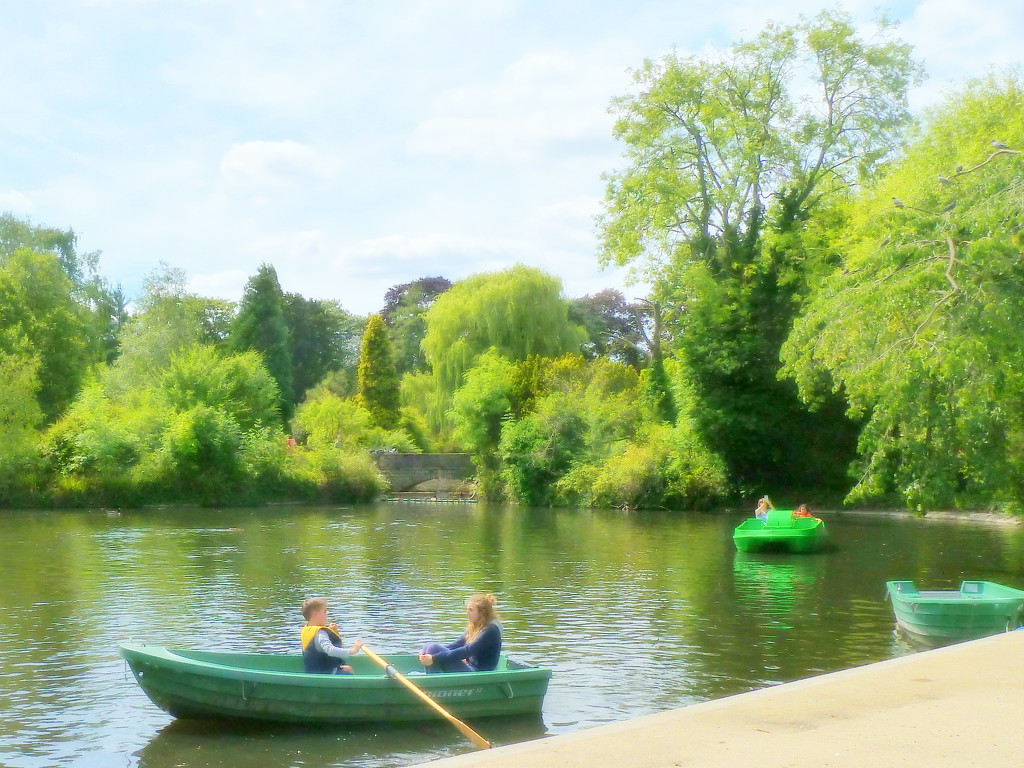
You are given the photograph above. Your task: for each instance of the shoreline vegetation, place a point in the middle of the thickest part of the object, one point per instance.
(832, 310)
(980, 516)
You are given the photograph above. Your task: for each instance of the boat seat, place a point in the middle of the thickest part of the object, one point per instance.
(906, 587)
(779, 518)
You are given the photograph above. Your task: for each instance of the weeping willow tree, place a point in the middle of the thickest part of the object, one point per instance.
(518, 312)
(920, 325)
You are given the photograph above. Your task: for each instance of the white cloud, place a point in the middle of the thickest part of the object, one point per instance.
(959, 40)
(357, 146)
(13, 199)
(572, 220)
(275, 163)
(426, 247)
(225, 283)
(544, 97)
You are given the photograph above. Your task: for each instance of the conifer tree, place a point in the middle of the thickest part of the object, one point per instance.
(377, 382)
(260, 325)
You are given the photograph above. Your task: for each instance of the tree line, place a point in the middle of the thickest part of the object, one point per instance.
(835, 292)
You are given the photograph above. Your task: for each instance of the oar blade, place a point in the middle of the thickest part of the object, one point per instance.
(393, 673)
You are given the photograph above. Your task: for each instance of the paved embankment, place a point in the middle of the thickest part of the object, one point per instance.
(953, 707)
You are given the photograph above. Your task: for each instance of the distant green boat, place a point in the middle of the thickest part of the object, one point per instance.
(780, 531)
(273, 687)
(977, 609)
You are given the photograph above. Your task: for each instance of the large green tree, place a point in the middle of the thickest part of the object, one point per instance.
(323, 339)
(480, 407)
(105, 303)
(920, 324)
(615, 328)
(168, 319)
(518, 312)
(40, 318)
(16, 233)
(404, 312)
(20, 416)
(377, 382)
(260, 325)
(728, 158)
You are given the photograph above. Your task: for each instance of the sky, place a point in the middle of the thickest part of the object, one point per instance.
(359, 145)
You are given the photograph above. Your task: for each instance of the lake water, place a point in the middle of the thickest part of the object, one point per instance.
(635, 612)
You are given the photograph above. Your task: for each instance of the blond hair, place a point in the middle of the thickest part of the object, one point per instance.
(487, 614)
(312, 604)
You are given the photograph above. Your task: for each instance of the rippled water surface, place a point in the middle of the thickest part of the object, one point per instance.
(636, 613)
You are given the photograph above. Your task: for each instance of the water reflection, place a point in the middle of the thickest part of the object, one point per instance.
(636, 613)
(219, 745)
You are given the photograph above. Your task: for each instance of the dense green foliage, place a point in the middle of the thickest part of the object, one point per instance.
(176, 417)
(40, 319)
(20, 415)
(196, 428)
(323, 340)
(835, 304)
(920, 324)
(16, 234)
(727, 159)
(518, 312)
(104, 306)
(614, 328)
(405, 312)
(568, 431)
(260, 325)
(377, 385)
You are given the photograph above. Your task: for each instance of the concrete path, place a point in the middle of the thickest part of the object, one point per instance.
(954, 707)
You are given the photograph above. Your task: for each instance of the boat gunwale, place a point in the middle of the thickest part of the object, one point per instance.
(170, 658)
(954, 596)
(780, 533)
(798, 524)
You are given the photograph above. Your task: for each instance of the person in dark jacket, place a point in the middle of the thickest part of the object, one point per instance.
(477, 649)
(322, 649)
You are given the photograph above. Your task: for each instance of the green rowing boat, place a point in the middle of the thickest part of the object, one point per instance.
(779, 531)
(273, 687)
(977, 609)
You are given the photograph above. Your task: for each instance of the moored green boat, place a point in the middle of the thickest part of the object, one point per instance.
(273, 687)
(977, 609)
(780, 531)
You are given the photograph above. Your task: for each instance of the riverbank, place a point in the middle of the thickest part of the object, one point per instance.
(980, 516)
(946, 708)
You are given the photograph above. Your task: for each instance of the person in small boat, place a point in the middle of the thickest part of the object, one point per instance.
(804, 511)
(477, 649)
(323, 651)
(763, 505)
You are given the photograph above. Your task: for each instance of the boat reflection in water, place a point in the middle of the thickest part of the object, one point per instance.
(219, 743)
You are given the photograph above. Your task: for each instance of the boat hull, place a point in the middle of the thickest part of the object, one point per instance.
(977, 609)
(273, 688)
(800, 534)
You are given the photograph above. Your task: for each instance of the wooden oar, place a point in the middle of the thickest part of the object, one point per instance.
(468, 732)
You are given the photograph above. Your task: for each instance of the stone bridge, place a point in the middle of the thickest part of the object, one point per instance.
(408, 471)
